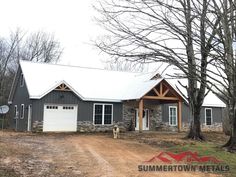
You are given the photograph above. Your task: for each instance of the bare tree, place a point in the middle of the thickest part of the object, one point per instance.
(7, 53)
(41, 47)
(175, 32)
(38, 47)
(222, 79)
(124, 65)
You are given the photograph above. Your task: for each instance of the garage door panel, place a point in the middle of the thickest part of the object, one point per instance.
(60, 118)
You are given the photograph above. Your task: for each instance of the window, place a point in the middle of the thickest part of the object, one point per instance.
(173, 115)
(208, 116)
(21, 80)
(52, 107)
(15, 112)
(107, 114)
(68, 107)
(22, 111)
(103, 114)
(98, 114)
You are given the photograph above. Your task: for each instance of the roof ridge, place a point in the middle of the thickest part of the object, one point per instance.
(84, 67)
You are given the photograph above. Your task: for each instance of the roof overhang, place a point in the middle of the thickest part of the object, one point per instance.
(163, 92)
(53, 88)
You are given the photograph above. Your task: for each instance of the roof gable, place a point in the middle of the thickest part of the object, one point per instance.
(164, 91)
(60, 86)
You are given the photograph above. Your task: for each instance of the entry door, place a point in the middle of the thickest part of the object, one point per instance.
(145, 120)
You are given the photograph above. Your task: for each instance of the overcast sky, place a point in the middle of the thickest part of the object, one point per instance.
(70, 20)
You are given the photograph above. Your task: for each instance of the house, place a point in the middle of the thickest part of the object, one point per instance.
(51, 97)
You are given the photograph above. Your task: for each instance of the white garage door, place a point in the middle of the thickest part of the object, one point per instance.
(60, 118)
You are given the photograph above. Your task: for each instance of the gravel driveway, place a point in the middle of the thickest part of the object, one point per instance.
(71, 155)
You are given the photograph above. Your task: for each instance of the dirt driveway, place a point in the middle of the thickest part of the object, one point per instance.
(75, 155)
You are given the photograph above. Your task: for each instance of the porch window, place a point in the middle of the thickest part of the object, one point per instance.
(173, 115)
(103, 114)
(208, 116)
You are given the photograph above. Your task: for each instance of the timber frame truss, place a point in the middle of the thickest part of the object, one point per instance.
(163, 92)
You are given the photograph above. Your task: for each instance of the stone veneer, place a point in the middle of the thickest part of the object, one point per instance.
(155, 114)
(37, 126)
(129, 117)
(155, 117)
(88, 126)
(214, 127)
(83, 126)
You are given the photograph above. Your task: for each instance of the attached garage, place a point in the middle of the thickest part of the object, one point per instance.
(60, 118)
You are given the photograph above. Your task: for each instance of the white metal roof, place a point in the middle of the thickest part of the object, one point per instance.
(87, 83)
(94, 84)
(211, 100)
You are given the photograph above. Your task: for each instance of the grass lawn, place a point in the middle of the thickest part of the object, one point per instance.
(175, 142)
(210, 149)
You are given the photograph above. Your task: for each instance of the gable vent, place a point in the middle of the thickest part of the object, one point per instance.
(62, 87)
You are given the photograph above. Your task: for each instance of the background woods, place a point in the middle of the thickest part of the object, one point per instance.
(38, 47)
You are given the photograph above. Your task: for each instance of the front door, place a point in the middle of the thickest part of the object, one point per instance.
(145, 120)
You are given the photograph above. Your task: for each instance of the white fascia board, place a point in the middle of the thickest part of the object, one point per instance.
(102, 100)
(214, 105)
(169, 84)
(86, 99)
(149, 89)
(52, 88)
(177, 91)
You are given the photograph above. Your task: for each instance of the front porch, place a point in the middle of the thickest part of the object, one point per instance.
(146, 113)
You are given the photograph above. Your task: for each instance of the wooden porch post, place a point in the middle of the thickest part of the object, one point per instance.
(179, 115)
(140, 115)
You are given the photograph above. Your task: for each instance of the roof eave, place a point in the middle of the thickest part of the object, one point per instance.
(86, 99)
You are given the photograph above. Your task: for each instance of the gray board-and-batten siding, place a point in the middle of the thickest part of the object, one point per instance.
(217, 113)
(21, 96)
(85, 108)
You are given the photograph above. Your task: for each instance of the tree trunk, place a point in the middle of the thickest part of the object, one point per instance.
(231, 144)
(195, 127)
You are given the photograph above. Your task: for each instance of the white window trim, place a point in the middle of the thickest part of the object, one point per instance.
(103, 111)
(16, 113)
(23, 111)
(22, 82)
(211, 116)
(175, 107)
